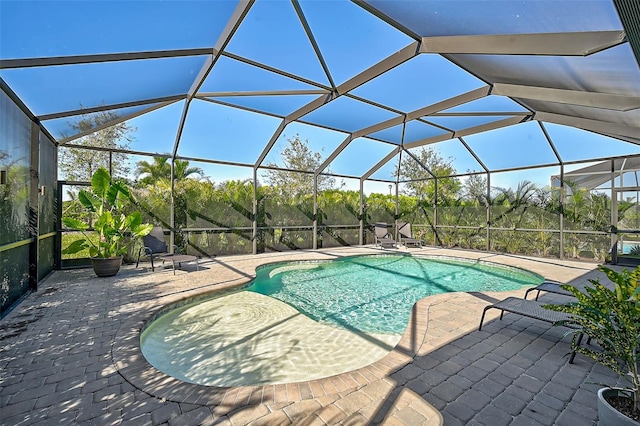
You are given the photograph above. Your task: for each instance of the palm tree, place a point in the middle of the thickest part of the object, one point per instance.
(154, 171)
(181, 170)
(160, 168)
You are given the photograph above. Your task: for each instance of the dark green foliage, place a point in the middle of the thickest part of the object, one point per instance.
(612, 318)
(635, 250)
(150, 173)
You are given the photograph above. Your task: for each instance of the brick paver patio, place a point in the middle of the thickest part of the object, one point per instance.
(69, 355)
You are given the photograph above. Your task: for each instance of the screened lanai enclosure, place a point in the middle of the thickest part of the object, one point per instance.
(257, 126)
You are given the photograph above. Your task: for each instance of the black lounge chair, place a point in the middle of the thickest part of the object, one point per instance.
(383, 238)
(404, 229)
(531, 309)
(154, 245)
(549, 287)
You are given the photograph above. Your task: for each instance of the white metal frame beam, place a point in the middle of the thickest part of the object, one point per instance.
(82, 111)
(468, 131)
(390, 62)
(107, 57)
(312, 40)
(572, 97)
(428, 110)
(272, 141)
(381, 67)
(602, 127)
(225, 37)
(263, 93)
(233, 23)
(549, 44)
(420, 163)
(275, 70)
(381, 163)
(121, 119)
(334, 154)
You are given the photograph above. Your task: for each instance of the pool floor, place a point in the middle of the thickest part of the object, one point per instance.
(252, 339)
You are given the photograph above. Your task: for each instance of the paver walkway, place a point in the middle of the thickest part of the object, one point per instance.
(68, 355)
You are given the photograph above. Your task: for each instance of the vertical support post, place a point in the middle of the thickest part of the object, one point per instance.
(393, 222)
(315, 211)
(110, 163)
(395, 216)
(435, 213)
(488, 211)
(397, 210)
(614, 215)
(562, 198)
(361, 218)
(172, 218)
(33, 206)
(57, 259)
(563, 195)
(254, 232)
(57, 208)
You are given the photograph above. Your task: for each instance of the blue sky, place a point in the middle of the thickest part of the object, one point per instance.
(350, 40)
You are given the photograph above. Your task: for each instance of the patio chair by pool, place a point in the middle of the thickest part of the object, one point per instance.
(549, 287)
(531, 309)
(155, 246)
(406, 238)
(383, 238)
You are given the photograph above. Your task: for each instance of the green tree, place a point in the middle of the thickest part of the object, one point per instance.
(524, 194)
(189, 193)
(160, 168)
(182, 170)
(149, 173)
(421, 183)
(298, 156)
(510, 205)
(79, 164)
(474, 190)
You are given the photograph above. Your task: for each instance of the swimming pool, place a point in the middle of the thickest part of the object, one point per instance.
(248, 338)
(374, 294)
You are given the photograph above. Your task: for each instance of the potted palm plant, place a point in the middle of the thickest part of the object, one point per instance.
(610, 316)
(116, 231)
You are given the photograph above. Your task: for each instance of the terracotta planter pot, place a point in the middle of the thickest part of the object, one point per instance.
(609, 416)
(106, 267)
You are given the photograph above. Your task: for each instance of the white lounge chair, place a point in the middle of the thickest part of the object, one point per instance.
(406, 238)
(383, 238)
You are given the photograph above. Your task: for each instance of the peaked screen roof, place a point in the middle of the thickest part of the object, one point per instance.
(225, 81)
(595, 175)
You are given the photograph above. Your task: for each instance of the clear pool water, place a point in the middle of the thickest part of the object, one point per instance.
(375, 294)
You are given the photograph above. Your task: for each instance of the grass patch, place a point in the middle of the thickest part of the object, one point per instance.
(70, 237)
